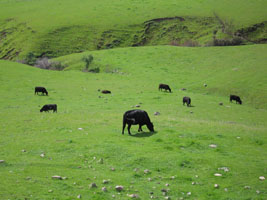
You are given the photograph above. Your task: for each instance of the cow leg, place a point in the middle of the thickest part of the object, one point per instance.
(129, 126)
(140, 128)
(123, 127)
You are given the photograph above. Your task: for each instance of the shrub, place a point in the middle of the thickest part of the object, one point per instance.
(45, 63)
(88, 60)
(30, 59)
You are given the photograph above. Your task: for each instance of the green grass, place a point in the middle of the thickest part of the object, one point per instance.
(180, 146)
(56, 28)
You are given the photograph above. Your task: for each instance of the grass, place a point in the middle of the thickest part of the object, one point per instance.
(59, 28)
(180, 146)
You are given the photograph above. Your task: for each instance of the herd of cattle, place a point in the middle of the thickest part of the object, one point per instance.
(130, 117)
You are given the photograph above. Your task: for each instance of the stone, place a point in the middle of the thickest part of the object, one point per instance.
(119, 188)
(205, 85)
(212, 145)
(183, 89)
(221, 103)
(79, 196)
(50, 191)
(2, 161)
(101, 161)
(262, 178)
(247, 187)
(226, 169)
(156, 113)
(167, 184)
(173, 177)
(23, 150)
(258, 192)
(217, 174)
(146, 171)
(149, 179)
(42, 155)
(104, 189)
(93, 185)
(137, 106)
(133, 196)
(168, 198)
(188, 193)
(80, 129)
(57, 177)
(136, 169)
(105, 181)
(216, 185)
(225, 189)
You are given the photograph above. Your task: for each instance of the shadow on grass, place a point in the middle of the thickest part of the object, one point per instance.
(145, 134)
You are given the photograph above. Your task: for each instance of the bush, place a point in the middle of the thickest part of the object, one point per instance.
(30, 59)
(88, 60)
(45, 63)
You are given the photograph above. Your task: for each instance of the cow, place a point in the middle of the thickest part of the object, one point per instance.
(236, 98)
(187, 100)
(40, 89)
(106, 92)
(48, 107)
(165, 87)
(134, 117)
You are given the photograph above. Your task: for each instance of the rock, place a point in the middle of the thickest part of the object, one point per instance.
(105, 181)
(50, 191)
(225, 189)
(136, 169)
(164, 190)
(196, 176)
(237, 137)
(2, 161)
(149, 179)
(168, 198)
(23, 150)
(188, 193)
(113, 196)
(173, 177)
(221, 103)
(146, 171)
(137, 106)
(119, 188)
(247, 187)
(226, 169)
(101, 161)
(104, 189)
(191, 112)
(133, 196)
(42, 155)
(217, 174)
(79, 196)
(183, 89)
(193, 183)
(262, 178)
(257, 191)
(212, 145)
(216, 185)
(156, 113)
(64, 178)
(205, 85)
(93, 185)
(57, 177)
(167, 184)
(80, 129)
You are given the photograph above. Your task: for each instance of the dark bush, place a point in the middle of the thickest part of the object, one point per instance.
(88, 59)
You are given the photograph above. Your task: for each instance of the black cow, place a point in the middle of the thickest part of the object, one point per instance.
(236, 98)
(106, 92)
(165, 87)
(187, 100)
(40, 89)
(134, 117)
(48, 107)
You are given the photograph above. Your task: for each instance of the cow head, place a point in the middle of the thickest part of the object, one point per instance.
(150, 126)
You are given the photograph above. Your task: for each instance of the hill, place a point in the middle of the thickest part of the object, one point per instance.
(52, 29)
(83, 141)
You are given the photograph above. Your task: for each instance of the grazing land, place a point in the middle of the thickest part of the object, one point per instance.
(83, 140)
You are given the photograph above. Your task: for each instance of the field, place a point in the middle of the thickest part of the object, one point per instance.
(83, 141)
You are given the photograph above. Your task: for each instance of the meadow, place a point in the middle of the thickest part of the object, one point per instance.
(83, 140)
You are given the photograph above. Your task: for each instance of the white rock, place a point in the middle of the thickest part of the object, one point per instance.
(217, 174)
(50, 191)
(2, 161)
(168, 198)
(149, 179)
(226, 169)
(156, 113)
(133, 196)
(119, 188)
(105, 181)
(104, 189)
(146, 171)
(212, 145)
(247, 187)
(173, 177)
(79, 196)
(225, 189)
(80, 129)
(167, 184)
(262, 178)
(93, 185)
(216, 185)
(113, 196)
(188, 193)
(101, 161)
(42, 155)
(257, 191)
(137, 106)
(23, 150)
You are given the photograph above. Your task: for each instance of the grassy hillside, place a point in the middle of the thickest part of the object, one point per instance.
(226, 70)
(56, 28)
(178, 153)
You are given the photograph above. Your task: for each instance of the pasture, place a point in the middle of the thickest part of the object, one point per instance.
(83, 140)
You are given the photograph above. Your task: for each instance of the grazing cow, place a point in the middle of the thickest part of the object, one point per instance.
(48, 107)
(187, 100)
(165, 87)
(40, 89)
(134, 117)
(106, 92)
(236, 98)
